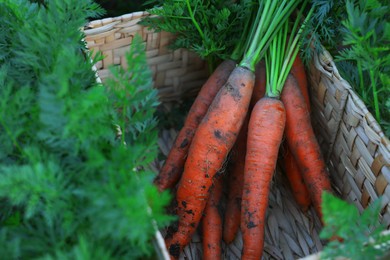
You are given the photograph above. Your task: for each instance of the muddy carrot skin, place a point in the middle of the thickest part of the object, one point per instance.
(296, 182)
(237, 163)
(265, 133)
(303, 144)
(299, 73)
(235, 170)
(298, 187)
(172, 169)
(212, 223)
(212, 142)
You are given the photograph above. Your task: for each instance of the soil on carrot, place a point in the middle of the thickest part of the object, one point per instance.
(174, 250)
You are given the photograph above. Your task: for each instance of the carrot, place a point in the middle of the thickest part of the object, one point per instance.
(212, 141)
(303, 143)
(235, 182)
(237, 164)
(265, 132)
(212, 222)
(218, 130)
(295, 179)
(298, 71)
(298, 187)
(172, 169)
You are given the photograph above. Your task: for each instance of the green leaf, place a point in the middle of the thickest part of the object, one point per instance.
(13, 220)
(212, 29)
(70, 188)
(360, 233)
(357, 32)
(337, 211)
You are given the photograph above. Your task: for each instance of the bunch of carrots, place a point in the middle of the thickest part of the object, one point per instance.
(239, 119)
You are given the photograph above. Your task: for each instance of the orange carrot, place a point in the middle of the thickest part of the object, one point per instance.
(298, 71)
(298, 187)
(212, 141)
(212, 223)
(295, 178)
(172, 169)
(218, 130)
(235, 182)
(265, 133)
(303, 143)
(237, 164)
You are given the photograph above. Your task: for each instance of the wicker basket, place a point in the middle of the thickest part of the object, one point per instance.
(356, 151)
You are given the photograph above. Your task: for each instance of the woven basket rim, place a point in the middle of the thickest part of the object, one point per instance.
(325, 60)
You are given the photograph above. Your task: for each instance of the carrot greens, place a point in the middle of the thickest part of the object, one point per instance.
(356, 33)
(272, 15)
(212, 29)
(282, 52)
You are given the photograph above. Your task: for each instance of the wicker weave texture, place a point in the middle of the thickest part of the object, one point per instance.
(176, 74)
(356, 149)
(289, 234)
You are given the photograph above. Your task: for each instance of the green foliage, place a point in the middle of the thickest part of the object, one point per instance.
(366, 32)
(361, 233)
(279, 59)
(212, 29)
(323, 29)
(357, 33)
(70, 188)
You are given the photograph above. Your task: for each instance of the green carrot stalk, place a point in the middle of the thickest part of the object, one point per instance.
(282, 53)
(274, 15)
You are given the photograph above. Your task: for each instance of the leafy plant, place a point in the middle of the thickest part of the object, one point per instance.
(212, 29)
(352, 235)
(366, 33)
(322, 29)
(70, 186)
(357, 33)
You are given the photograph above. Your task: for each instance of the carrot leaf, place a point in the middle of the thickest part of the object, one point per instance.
(362, 234)
(212, 29)
(71, 186)
(356, 33)
(273, 14)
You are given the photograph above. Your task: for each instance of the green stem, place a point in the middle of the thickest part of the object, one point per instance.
(360, 71)
(267, 72)
(293, 48)
(267, 29)
(271, 65)
(282, 53)
(194, 21)
(281, 59)
(283, 14)
(246, 35)
(277, 54)
(260, 26)
(211, 64)
(375, 94)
